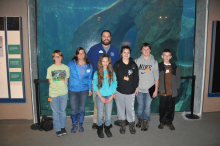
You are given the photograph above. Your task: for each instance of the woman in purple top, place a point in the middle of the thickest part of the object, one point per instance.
(80, 86)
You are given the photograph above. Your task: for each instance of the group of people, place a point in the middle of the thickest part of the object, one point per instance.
(104, 74)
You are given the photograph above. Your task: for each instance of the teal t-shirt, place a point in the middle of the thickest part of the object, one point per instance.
(106, 90)
(58, 76)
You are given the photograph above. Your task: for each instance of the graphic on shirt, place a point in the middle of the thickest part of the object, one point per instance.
(58, 75)
(130, 72)
(112, 54)
(126, 78)
(145, 68)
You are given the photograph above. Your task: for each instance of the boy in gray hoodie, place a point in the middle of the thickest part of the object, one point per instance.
(148, 77)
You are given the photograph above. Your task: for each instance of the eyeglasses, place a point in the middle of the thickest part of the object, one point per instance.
(57, 56)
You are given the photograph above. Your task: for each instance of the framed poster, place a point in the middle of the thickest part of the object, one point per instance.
(11, 58)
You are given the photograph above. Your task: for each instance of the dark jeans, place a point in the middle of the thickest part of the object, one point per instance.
(167, 109)
(77, 101)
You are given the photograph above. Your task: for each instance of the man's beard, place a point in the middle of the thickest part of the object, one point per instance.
(106, 44)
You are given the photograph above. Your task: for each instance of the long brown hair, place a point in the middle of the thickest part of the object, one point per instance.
(85, 58)
(100, 72)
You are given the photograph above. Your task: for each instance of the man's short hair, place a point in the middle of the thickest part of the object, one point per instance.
(145, 45)
(106, 31)
(167, 50)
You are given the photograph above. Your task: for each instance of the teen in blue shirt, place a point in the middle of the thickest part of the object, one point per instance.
(104, 84)
(80, 86)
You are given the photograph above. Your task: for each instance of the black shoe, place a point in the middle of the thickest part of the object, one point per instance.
(171, 127)
(63, 131)
(100, 131)
(161, 125)
(94, 126)
(59, 133)
(107, 131)
(110, 125)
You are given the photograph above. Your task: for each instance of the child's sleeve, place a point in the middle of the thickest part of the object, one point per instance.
(178, 76)
(156, 70)
(67, 72)
(90, 77)
(68, 64)
(95, 81)
(114, 83)
(49, 76)
(136, 61)
(136, 77)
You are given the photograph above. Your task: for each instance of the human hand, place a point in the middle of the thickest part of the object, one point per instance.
(115, 96)
(136, 92)
(110, 99)
(90, 93)
(102, 100)
(155, 94)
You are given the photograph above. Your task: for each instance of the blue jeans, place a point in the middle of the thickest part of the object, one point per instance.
(144, 105)
(77, 101)
(100, 111)
(58, 106)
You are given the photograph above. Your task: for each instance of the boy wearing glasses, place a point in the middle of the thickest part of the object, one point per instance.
(58, 75)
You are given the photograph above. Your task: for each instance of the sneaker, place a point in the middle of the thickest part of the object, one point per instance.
(161, 125)
(94, 126)
(171, 127)
(59, 133)
(63, 131)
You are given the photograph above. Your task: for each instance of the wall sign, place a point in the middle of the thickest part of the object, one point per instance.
(11, 58)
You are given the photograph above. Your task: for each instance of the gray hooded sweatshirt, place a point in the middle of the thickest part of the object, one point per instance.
(148, 72)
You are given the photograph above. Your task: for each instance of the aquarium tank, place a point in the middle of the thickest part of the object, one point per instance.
(67, 25)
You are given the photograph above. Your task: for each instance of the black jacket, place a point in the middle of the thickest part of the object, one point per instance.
(131, 71)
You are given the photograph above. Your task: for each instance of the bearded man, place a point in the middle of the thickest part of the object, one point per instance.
(104, 47)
